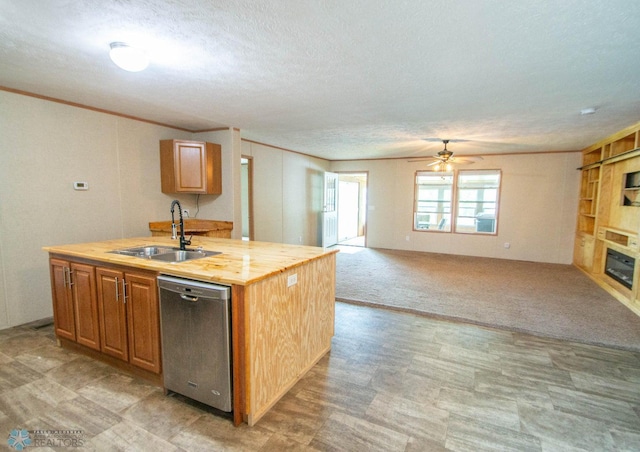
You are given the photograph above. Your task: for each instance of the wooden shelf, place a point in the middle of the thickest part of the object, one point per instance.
(631, 189)
(622, 145)
(586, 223)
(592, 157)
(590, 180)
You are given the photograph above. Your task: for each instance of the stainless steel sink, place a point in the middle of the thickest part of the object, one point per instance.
(181, 256)
(143, 251)
(166, 254)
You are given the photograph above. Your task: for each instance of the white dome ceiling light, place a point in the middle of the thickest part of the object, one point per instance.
(127, 57)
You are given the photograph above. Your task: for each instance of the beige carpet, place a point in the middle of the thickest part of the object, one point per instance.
(549, 300)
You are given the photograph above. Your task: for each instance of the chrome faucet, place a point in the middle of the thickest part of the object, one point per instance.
(183, 242)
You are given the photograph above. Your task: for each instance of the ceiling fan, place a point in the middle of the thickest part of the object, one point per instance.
(444, 159)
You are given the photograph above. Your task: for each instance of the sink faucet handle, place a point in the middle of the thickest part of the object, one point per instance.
(184, 241)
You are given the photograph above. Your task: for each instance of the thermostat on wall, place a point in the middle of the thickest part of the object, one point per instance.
(81, 185)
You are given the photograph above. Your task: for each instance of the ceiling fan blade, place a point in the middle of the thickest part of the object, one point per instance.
(440, 140)
(446, 156)
(424, 159)
(466, 160)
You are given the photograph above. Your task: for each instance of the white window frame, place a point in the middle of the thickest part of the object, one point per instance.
(435, 212)
(428, 216)
(484, 218)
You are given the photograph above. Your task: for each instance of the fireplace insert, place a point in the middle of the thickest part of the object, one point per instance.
(620, 267)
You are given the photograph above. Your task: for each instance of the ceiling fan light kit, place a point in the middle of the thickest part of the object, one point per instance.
(445, 167)
(443, 162)
(444, 159)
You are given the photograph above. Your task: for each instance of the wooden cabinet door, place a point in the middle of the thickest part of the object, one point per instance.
(112, 313)
(191, 167)
(85, 305)
(143, 320)
(63, 317)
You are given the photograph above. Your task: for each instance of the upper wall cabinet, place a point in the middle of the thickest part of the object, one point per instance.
(190, 167)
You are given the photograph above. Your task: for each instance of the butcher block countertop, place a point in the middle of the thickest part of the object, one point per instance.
(240, 262)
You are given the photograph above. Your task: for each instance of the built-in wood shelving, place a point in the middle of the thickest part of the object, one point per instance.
(607, 213)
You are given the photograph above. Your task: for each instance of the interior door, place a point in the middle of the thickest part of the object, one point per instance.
(330, 210)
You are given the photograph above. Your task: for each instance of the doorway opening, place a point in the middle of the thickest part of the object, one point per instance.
(246, 190)
(352, 208)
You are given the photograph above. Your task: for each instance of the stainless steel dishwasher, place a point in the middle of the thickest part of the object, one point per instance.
(196, 342)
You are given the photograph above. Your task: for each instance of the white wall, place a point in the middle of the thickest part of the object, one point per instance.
(539, 198)
(45, 147)
(287, 195)
(225, 206)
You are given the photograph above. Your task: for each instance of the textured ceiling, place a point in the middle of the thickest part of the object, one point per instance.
(344, 79)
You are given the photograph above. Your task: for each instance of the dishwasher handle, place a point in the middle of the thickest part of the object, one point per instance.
(189, 298)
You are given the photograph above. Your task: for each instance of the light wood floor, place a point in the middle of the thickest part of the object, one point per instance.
(392, 382)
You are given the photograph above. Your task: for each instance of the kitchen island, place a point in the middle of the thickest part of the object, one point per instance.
(283, 308)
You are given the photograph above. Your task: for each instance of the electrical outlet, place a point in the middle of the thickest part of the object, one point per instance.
(185, 213)
(292, 279)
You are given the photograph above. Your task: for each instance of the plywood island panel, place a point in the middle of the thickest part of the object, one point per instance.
(288, 329)
(283, 306)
